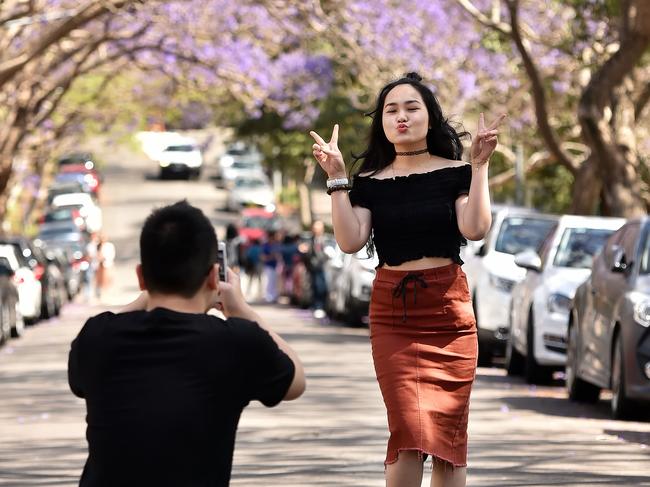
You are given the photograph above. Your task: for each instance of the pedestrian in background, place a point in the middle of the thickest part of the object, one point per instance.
(271, 258)
(105, 262)
(253, 269)
(164, 382)
(316, 259)
(233, 246)
(419, 204)
(290, 254)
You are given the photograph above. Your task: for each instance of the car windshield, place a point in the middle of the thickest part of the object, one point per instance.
(249, 183)
(61, 214)
(522, 233)
(579, 245)
(180, 148)
(244, 165)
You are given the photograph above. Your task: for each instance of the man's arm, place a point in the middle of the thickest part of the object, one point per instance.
(233, 305)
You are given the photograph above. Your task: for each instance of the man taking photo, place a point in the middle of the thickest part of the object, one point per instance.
(164, 382)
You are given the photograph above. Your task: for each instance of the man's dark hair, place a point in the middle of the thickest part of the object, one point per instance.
(178, 247)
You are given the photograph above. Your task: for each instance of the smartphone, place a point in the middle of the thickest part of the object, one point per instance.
(222, 260)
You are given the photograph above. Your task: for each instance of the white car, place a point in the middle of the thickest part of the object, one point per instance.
(182, 157)
(238, 152)
(539, 312)
(27, 283)
(492, 272)
(241, 169)
(84, 202)
(349, 279)
(251, 191)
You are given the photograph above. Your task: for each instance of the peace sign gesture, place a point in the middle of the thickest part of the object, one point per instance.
(485, 141)
(328, 155)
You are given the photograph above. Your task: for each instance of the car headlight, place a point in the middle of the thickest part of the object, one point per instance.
(501, 283)
(163, 163)
(558, 303)
(642, 313)
(641, 307)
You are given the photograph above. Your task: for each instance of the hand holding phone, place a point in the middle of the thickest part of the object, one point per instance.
(222, 260)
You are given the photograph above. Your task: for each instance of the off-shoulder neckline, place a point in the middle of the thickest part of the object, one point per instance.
(428, 173)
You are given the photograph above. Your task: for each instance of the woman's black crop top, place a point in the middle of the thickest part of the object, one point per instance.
(414, 216)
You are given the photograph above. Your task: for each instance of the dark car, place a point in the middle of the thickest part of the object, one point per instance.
(11, 323)
(609, 325)
(78, 173)
(52, 280)
(74, 158)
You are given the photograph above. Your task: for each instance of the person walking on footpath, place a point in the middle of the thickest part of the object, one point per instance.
(416, 203)
(164, 382)
(316, 259)
(271, 258)
(105, 261)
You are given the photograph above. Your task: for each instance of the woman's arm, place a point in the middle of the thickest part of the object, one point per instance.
(473, 211)
(351, 225)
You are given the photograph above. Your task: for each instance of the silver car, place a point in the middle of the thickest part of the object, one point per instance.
(539, 311)
(609, 325)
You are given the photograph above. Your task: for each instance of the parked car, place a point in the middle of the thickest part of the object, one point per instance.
(67, 187)
(28, 286)
(609, 325)
(492, 272)
(238, 152)
(75, 158)
(11, 321)
(349, 279)
(49, 275)
(182, 157)
(88, 179)
(70, 216)
(64, 259)
(256, 223)
(241, 169)
(251, 191)
(85, 204)
(539, 310)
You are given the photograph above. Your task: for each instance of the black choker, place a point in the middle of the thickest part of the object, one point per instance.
(412, 153)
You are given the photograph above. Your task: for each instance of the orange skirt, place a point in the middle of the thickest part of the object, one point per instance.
(424, 347)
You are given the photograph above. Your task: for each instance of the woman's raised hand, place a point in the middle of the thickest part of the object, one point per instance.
(328, 155)
(485, 141)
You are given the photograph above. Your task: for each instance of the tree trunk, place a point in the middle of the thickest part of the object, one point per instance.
(587, 189)
(607, 119)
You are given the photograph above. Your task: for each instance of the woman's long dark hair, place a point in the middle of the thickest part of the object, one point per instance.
(442, 139)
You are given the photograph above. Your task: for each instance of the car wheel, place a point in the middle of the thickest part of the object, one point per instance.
(514, 361)
(5, 326)
(577, 389)
(622, 406)
(18, 323)
(533, 372)
(351, 314)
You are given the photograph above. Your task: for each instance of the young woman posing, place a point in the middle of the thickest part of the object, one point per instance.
(418, 203)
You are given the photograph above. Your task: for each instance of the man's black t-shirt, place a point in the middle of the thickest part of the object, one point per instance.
(164, 392)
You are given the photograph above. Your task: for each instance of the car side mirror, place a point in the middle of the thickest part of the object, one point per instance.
(528, 259)
(619, 261)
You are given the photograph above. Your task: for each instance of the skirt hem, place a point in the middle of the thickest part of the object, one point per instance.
(421, 453)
